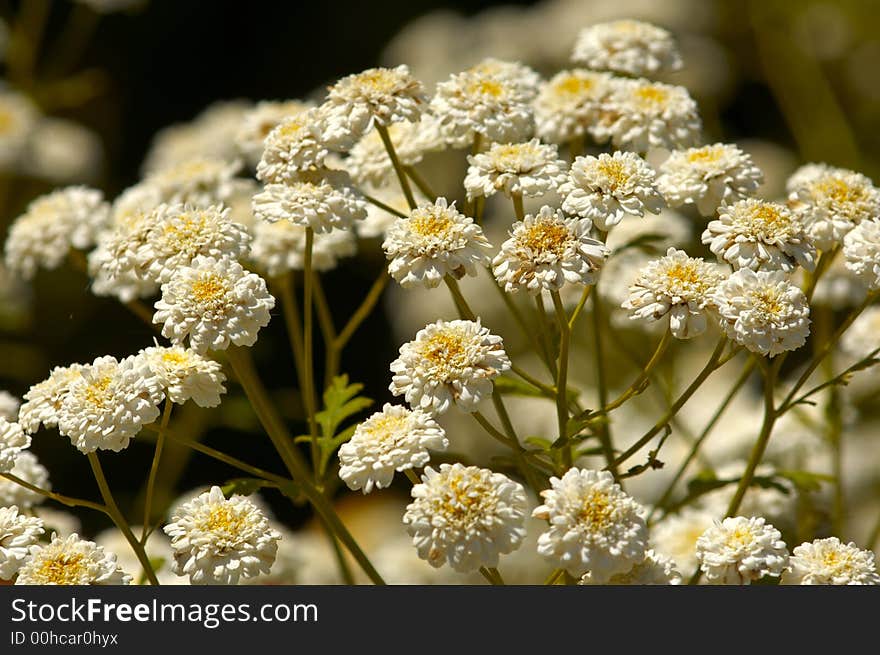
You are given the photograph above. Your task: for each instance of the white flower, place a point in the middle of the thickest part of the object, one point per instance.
(708, 177)
(108, 404)
(18, 119)
(172, 236)
(71, 561)
(861, 248)
(394, 439)
(29, 469)
(472, 103)
(863, 336)
(12, 441)
(677, 285)
(547, 250)
(260, 121)
(221, 541)
(280, 247)
(436, 240)
(740, 550)
(527, 169)
(608, 187)
(368, 161)
(198, 181)
(763, 311)
(527, 79)
(448, 362)
(378, 96)
(9, 405)
(655, 569)
(17, 534)
(466, 516)
(832, 201)
(184, 374)
(570, 104)
(831, 562)
(214, 302)
(43, 400)
(594, 526)
(627, 46)
(321, 200)
(760, 235)
(640, 115)
(676, 536)
(53, 224)
(291, 148)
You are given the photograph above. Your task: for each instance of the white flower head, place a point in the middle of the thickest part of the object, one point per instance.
(529, 169)
(108, 404)
(608, 187)
(514, 72)
(221, 541)
(377, 96)
(473, 103)
(319, 199)
(861, 249)
(863, 336)
(19, 118)
(546, 250)
(183, 374)
(449, 362)
(280, 247)
(43, 236)
(832, 201)
(13, 440)
(291, 148)
(675, 536)
(9, 405)
(18, 533)
(677, 285)
(760, 235)
(71, 561)
(763, 311)
(394, 439)
(640, 115)
(43, 400)
(740, 550)
(708, 177)
(831, 562)
(466, 516)
(655, 569)
(569, 104)
(197, 181)
(213, 303)
(627, 46)
(436, 240)
(29, 469)
(258, 122)
(595, 527)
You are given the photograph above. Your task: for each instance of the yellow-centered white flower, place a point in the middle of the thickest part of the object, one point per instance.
(71, 561)
(655, 569)
(258, 122)
(18, 533)
(29, 469)
(528, 169)
(13, 440)
(861, 250)
(568, 106)
(183, 374)
(291, 148)
(627, 46)
(43, 400)
(740, 550)
(831, 562)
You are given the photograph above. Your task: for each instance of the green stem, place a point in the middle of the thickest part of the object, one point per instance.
(487, 573)
(460, 303)
(290, 309)
(518, 206)
(296, 465)
(543, 323)
(636, 387)
(420, 182)
(412, 476)
(119, 520)
(328, 332)
(602, 387)
(580, 306)
(363, 311)
(154, 469)
(69, 501)
(308, 352)
(398, 168)
(770, 372)
(562, 378)
(381, 205)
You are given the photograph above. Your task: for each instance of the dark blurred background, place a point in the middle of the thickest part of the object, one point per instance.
(800, 79)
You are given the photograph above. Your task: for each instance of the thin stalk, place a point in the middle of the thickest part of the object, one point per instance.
(770, 372)
(635, 387)
(328, 332)
(69, 501)
(708, 369)
(398, 168)
(290, 309)
(670, 488)
(540, 386)
(518, 317)
(293, 460)
(119, 520)
(543, 323)
(413, 174)
(412, 476)
(344, 568)
(457, 297)
(381, 205)
(554, 576)
(363, 311)
(580, 306)
(308, 353)
(154, 469)
(604, 429)
(487, 573)
(518, 206)
(562, 377)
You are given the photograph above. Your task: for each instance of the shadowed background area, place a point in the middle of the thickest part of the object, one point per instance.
(799, 80)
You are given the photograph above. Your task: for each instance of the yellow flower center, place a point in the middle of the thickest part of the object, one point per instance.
(597, 510)
(292, 129)
(445, 350)
(547, 237)
(767, 301)
(386, 427)
(838, 191)
(430, 224)
(96, 392)
(486, 87)
(185, 228)
(175, 357)
(740, 537)
(209, 289)
(466, 501)
(223, 518)
(380, 80)
(705, 155)
(615, 171)
(63, 569)
(573, 85)
(651, 96)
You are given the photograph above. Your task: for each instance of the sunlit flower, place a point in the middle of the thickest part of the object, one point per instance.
(568, 105)
(655, 569)
(831, 562)
(12, 441)
(18, 533)
(740, 550)
(71, 561)
(260, 121)
(627, 46)
(29, 469)
(183, 374)
(291, 148)
(527, 169)
(861, 248)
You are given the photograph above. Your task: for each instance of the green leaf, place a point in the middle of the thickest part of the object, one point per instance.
(540, 442)
(805, 480)
(516, 387)
(244, 486)
(341, 401)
